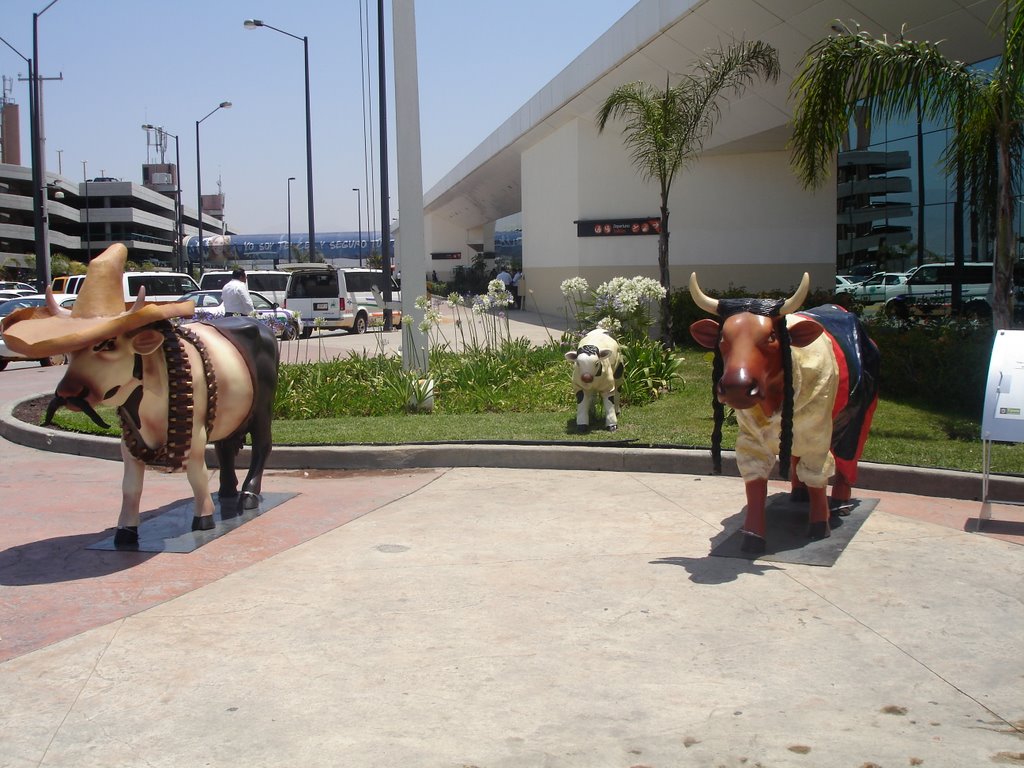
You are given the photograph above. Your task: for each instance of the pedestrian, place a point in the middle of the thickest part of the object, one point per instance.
(235, 295)
(505, 277)
(517, 299)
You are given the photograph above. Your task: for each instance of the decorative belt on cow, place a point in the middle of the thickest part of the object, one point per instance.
(180, 402)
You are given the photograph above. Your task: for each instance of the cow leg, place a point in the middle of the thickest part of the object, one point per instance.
(754, 525)
(841, 489)
(198, 478)
(226, 451)
(797, 489)
(819, 528)
(610, 412)
(261, 445)
(583, 401)
(127, 534)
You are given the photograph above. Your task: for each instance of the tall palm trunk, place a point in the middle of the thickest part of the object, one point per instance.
(663, 274)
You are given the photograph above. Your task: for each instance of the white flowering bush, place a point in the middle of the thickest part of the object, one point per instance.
(623, 306)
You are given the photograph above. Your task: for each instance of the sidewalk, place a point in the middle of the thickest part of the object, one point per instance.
(495, 617)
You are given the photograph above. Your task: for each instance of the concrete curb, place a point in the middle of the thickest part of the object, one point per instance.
(880, 477)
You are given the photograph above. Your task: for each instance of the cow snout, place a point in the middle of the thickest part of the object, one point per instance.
(587, 378)
(738, 389)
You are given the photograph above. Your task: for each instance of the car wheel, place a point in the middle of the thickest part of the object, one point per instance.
(290, 332)
(307, 332)
(359, 324)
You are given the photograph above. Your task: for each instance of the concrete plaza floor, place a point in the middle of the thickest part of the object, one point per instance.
(496, 617)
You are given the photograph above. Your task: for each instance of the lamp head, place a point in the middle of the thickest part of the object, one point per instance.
(252, 23)
(224, 105)
(148, 127)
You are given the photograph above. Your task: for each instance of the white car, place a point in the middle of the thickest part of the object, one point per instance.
(844, 284)
(880, 287)
(285, 325)
(38, 300)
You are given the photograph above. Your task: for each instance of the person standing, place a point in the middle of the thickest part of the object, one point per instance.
(517, 299)
(235, 295)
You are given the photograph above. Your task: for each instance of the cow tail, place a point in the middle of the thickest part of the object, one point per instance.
(786, 437)
(718, 409)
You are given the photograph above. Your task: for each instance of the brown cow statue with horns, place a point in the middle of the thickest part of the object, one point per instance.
(803, 385)
(176, 386)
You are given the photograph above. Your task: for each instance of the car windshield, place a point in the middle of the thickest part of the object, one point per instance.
(9, 306)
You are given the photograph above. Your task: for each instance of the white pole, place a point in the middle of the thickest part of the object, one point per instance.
(410, 169)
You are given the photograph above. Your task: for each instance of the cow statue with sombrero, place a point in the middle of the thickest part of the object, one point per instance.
(803, 385)
(176, 386)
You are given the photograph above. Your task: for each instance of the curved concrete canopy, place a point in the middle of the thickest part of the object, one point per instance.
(659, 37)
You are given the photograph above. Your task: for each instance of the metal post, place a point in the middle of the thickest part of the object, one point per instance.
(385, 214)
(88, 231)
(199, 180)
(290, 180)
(359, 210)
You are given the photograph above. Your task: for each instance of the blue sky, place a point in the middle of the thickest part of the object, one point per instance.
(129, 62)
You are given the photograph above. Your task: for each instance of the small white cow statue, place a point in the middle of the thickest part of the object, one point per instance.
(596, 370)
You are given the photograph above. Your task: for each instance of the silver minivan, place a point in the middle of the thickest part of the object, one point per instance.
(330, 297)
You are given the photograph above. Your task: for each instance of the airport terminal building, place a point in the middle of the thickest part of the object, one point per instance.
(739, 215)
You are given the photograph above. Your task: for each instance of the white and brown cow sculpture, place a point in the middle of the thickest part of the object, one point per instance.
(597, 372)
(176, 386)
(804, 388)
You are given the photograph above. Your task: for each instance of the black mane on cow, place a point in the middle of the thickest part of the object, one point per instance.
(766, 308)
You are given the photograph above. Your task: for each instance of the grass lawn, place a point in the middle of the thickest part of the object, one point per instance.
(902, 433)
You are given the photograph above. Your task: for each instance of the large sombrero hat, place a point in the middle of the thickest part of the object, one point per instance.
(100, 312)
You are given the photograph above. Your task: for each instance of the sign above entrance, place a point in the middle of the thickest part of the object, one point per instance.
(614, 227)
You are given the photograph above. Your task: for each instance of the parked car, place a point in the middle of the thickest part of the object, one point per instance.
(880, 287)
(928, 292)
(844, 284)
(329, 297)
(160, 286)
(37, 300)
(271, 283)
(286, 325)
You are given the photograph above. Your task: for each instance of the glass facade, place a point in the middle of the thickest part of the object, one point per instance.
(896, 206)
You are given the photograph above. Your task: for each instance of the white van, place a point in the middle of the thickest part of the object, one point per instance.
(329, 297)
(271, 283)
(160, 286)
(928, 291)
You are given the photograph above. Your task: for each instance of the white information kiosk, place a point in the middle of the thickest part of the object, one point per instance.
(1003, 419)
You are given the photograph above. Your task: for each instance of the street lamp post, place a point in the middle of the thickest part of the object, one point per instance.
(359, 209)
(88, 231)
(39, 157)
(179, 235)
(199, 180)
(253, 24)
(290, 180)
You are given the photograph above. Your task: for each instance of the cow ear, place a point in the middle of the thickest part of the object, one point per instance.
(570, 356)
(705, 332)
(604, 353)
(804, 332)
(147, 341)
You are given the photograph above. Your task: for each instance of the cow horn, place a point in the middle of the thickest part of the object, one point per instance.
(51, 304)
(794, 302)
(140, 302)
(701, 299)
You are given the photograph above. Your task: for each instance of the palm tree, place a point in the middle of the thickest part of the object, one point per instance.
(906, 79)
(665, 129)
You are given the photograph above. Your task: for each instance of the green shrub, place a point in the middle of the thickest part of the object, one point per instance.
(942, 365)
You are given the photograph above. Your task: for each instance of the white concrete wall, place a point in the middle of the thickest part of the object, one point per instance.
(444, 237)
(742, 219)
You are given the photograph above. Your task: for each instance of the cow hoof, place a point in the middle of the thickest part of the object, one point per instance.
(583, 428)
(819, 531)
(613, 427)
(799, 494)
(127, 537)
(249, 501)
(203, 523)
(753, 544)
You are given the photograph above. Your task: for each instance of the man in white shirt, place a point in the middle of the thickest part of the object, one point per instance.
(235, 295)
